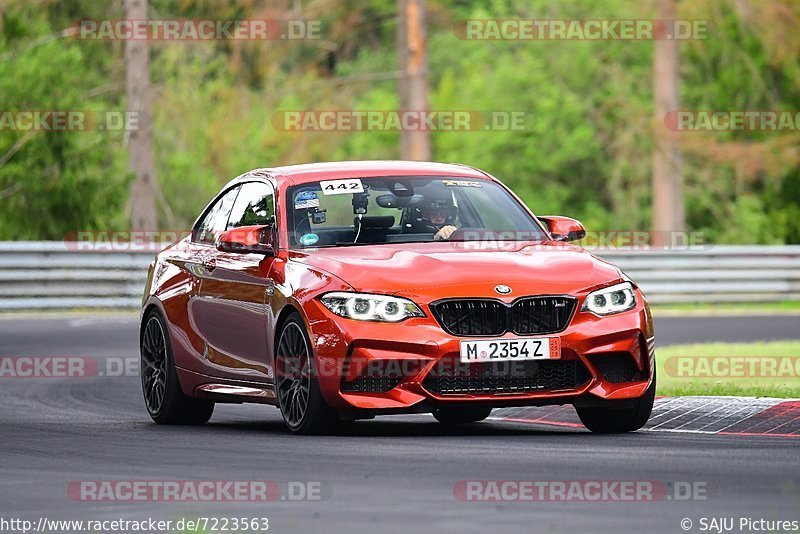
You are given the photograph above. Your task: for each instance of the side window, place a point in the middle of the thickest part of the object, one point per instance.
(254, 206)
(216, 220)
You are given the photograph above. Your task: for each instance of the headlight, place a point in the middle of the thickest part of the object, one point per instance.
(366, 307)
(610, 300)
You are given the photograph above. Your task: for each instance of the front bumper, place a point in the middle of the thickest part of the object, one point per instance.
(390, 368)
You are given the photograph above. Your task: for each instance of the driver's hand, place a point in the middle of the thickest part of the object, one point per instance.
(444, 233)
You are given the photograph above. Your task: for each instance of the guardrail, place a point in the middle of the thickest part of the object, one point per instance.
(55, 275)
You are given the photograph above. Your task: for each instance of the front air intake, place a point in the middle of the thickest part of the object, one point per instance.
(490, 317)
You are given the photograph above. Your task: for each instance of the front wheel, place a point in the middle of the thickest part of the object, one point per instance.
(299, 397)
(614, 420)
(461, 415)
(163, 397)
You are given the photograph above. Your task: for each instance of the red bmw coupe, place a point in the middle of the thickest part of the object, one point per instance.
(341, 291)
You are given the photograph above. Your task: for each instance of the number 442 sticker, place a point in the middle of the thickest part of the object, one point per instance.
(341, 187)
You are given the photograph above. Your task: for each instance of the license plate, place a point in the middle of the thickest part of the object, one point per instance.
(516, 349)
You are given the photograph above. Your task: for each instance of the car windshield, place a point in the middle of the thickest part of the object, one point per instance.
(405, 209)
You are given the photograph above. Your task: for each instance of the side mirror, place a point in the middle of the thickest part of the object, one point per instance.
(564, 228)
(247, 240)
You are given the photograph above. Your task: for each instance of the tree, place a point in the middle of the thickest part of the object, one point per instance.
(413, 81)
(142, 201)
(668, 211)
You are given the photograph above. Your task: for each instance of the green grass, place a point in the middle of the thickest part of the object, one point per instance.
(785, 306)
(678, 376)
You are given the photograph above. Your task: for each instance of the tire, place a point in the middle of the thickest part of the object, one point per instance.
(165, 402)
(615, 420)
(299, 398)
(461, 415)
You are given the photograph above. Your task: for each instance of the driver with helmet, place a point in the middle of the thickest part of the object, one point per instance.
(436, 214)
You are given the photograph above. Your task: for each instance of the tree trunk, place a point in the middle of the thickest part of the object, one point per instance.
(413, 82)
(668, 211)
(142, 199)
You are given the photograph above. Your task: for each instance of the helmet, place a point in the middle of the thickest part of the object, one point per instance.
(436, 210)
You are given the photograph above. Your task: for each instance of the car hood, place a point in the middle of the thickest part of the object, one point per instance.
(429, 271)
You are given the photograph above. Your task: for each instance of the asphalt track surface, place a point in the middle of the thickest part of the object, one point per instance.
(392, 474)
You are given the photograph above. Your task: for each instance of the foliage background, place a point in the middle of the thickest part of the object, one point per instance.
(588, 155)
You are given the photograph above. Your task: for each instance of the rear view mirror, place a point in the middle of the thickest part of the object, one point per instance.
(247, 240)
(563, 228)
(394, 201)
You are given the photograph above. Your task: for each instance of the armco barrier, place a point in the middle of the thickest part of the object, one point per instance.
(54, 275)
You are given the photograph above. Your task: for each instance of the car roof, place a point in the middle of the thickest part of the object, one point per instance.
(312, 172)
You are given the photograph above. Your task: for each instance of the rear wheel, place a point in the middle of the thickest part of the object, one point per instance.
(461, 415)
(615, 420)
(299, 397)
(163, 397)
